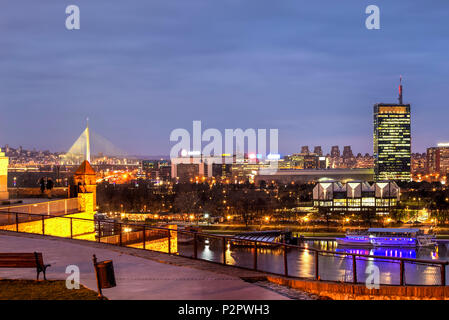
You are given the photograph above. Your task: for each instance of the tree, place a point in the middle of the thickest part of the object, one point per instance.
(368, 215)
(186, 202)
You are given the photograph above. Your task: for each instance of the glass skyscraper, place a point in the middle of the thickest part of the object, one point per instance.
(392, 145)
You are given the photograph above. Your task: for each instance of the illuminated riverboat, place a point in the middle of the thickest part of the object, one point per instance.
(355, 239)
(388, 237)
(400, 237)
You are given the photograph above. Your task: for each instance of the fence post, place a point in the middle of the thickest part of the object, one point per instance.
(443, 274)
(43, 225)
(255, 256)
(169, 241)
(120, 230)
(99, 230)
(65, 206)
(354, 269)
(71, 228)
(195, 246)
(17, 222)
(285, 261)
(224, 250)
(144, 237)
(401, 273)
(317, 274)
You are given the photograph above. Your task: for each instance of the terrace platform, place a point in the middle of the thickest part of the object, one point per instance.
(139, 274)
(24, 201)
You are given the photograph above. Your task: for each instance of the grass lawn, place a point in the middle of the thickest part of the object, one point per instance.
(42, 290)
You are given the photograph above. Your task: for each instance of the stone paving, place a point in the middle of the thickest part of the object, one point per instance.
(288, 292)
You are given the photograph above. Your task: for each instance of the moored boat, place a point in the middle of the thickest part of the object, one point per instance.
(355, 239)
(388, 237)
(400, 237)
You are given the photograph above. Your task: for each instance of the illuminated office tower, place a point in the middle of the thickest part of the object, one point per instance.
(438, 159)
(305, 149)
(392, 145)
(347, 152)
(335, 152)
(317, 150)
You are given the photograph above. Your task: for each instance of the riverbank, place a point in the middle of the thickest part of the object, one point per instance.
(318, 231)
(235, 229)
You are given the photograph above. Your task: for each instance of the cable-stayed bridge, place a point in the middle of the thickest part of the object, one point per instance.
(88, 145)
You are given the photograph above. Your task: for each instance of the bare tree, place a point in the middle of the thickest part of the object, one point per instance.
(187, 202)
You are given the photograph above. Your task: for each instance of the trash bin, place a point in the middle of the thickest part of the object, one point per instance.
(105, 273)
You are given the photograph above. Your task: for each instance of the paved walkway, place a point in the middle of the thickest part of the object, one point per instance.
(136, 277)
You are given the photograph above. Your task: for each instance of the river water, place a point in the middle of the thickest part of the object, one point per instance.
(301, 262)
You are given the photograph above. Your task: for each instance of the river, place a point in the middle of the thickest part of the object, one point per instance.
(301, 262)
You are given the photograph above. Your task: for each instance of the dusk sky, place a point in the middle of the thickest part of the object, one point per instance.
(139, 69)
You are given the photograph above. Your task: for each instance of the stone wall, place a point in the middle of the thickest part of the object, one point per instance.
(134, 239)
(86, 202)
(347, 291)
(3, 176)
(161, 245)
(61, 226)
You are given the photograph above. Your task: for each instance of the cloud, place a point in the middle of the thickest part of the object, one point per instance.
(140, 70)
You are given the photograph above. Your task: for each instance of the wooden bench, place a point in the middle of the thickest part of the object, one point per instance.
(24, 260)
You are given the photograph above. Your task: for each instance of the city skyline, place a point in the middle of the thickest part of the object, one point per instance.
(246, 65)
(226, 153)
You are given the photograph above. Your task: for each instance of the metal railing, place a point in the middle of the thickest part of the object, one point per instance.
(275, 258)
(62, 206)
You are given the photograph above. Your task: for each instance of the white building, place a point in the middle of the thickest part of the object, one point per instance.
(356, 196)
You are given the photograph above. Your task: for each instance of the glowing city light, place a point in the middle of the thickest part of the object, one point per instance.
(273, 156)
